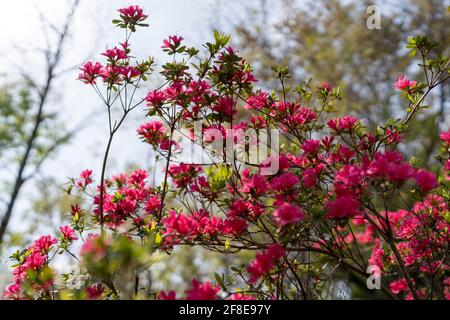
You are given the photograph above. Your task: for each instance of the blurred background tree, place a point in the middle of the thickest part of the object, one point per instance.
(29, 131)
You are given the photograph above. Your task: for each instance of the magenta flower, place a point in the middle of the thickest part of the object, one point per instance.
(172, 42)
(404, 84)
(288, 214)
(68, 233)
(90, 72)
(343, 207)
(133, 14)
(445, 137)
(202, 291)
(426, 180)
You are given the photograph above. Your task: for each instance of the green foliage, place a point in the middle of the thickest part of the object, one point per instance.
(218, 176)
(14, 116)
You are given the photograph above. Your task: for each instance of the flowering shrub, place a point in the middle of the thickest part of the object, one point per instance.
(343, 197)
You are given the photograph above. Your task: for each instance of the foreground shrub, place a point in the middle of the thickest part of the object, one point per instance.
(331, 196)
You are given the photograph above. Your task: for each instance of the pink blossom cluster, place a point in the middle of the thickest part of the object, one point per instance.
(265, 261)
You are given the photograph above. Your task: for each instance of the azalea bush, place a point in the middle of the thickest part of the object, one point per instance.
(329, 196)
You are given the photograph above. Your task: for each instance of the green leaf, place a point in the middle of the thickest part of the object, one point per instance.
(227, 244)
(216, 35)
(218, 278)
(218, 176)
(412, 53)
(158, 238)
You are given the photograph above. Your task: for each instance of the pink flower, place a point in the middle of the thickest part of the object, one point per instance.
(44, 243)
(262, 264)
(288, 214)
(311, 147)
(258, 122)
(86, 175)
(345, 123)
(115, 54)
(225, 106)
(326, 86)
(284, 182)
(348, 180)
(183, 174)
(426, 180)
(202, 291)
(132, 14)
(167, 144)
(257, 101)
(343, 207)
(152, 132)
(276, 251)
(242, 296)
(376, 258)
(393, 136)
(404, 84)
(172, 42)
(179, 224)
(85, 179)
(447, 165)
(391, 166)
(90, 72)
(12, 291)
(128, 72)
(35, 260)
(155, 99)
(309, 178)
(68, 233)
(95, 291)
(169, 295)
(152, 205)
(445, 137)
(398, 286)
(234, 226)
(138, 177)
(95, 245)
(302, 115)
(400, 173)
(245, 209)
(265, 261)
(256, 184)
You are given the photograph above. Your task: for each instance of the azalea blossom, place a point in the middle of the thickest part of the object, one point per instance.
(404, 84)
(202, 291)
(68, 233)
(288, 214)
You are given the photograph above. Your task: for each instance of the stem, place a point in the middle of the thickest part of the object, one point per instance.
(405, 272)
(164, 192)
(102, 179)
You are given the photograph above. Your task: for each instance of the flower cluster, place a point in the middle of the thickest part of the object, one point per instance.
(32, 272)
(265, 261)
